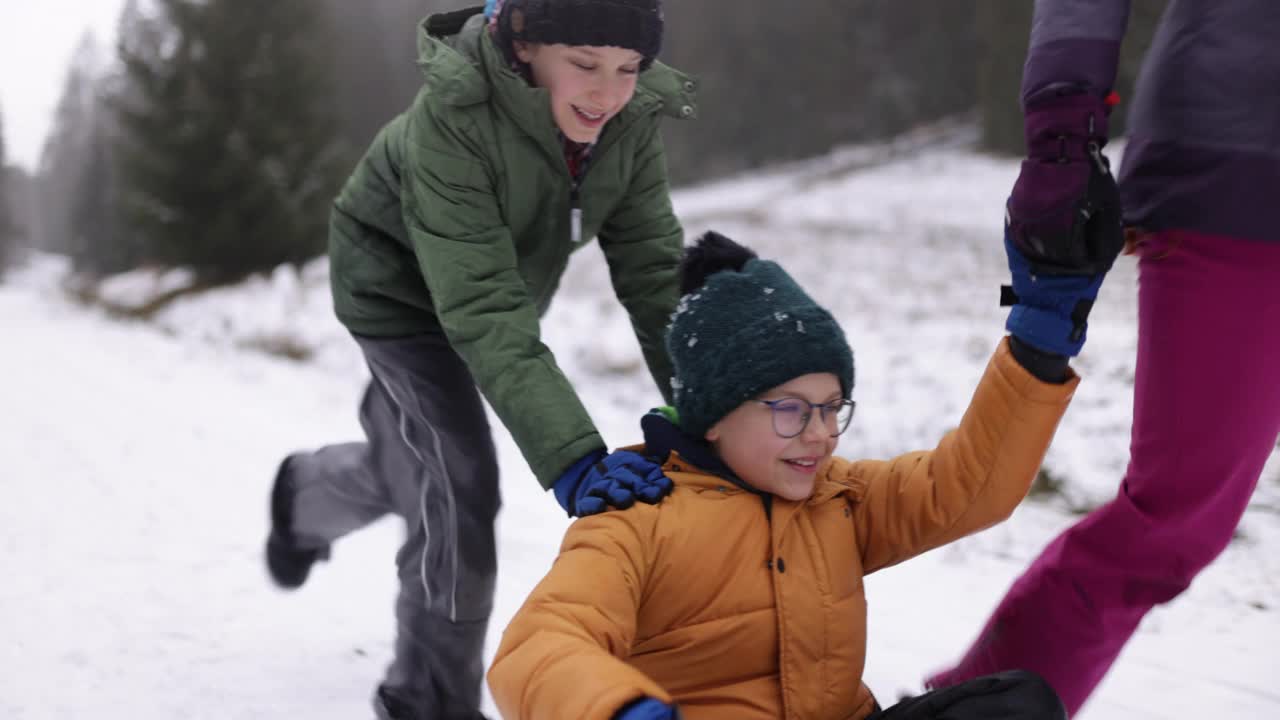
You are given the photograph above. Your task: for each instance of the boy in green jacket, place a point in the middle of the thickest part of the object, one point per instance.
(536, 129)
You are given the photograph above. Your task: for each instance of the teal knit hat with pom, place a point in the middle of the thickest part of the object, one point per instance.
(744, 326)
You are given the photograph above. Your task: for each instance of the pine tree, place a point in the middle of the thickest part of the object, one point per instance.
(100, 243)
(66, 148)
(8, 228)
(227, 148)
(379, 40)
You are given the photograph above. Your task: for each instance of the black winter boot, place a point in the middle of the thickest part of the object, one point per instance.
(388, 704)
(287, 562)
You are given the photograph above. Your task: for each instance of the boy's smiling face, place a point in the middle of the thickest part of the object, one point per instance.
(588, 85)
(787, 467)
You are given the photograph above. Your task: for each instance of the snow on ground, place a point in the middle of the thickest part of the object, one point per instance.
(137, 458)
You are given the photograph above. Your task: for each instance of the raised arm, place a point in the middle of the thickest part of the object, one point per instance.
(1075, 44)
(975, 477)
(1063, 217)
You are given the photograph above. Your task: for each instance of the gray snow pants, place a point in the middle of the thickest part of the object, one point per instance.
(430, 459)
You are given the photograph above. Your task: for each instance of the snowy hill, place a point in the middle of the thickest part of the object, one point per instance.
(137, 459)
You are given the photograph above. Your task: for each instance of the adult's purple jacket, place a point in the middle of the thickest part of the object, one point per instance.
(1204, 120)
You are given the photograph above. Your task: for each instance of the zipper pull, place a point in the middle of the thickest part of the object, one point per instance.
(575, 218)
(1095, 153)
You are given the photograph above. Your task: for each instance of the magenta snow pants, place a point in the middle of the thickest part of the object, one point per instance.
(1206, 417)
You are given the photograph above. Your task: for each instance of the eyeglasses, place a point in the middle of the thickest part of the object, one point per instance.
(791, 415)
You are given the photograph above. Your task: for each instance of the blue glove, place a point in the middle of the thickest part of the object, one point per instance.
(646, 709)
(1050, 311)
(489, 7)
(598, 480)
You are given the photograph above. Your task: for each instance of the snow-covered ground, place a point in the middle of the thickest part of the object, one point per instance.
(135, 460)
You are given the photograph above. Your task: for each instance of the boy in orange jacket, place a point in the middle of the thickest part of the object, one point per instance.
(741, 596)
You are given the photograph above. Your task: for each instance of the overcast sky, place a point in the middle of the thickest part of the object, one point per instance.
(37, 38)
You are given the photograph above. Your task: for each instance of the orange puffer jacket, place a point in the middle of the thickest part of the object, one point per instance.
(736, 605)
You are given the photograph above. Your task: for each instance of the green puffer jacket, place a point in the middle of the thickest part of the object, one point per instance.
(460, 219)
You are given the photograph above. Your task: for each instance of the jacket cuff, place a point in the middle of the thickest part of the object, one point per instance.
(1028, 385)
(1047, 366)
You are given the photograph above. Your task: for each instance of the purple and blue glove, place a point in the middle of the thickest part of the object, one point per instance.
(600, 480)
(1064, 211)
(647, 709)
(1063, 225)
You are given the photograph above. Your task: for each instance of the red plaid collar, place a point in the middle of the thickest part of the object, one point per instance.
(576, 156)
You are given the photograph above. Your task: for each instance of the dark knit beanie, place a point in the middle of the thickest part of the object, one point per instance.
(742, 327)
(631, 24)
